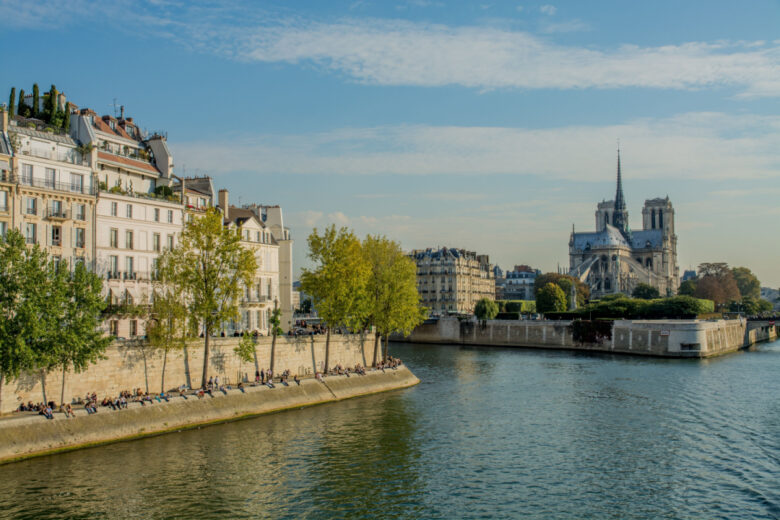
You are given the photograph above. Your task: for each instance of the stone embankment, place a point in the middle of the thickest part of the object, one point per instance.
(665, 338)
(31, 435)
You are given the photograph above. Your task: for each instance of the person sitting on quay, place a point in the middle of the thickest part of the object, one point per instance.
(318, 377)
(241, 387)
(223, 389)
(297, 381)
(90, 408)
(69, 411)
(47, 412)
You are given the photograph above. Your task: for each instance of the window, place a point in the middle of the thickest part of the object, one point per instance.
(189, 217)
(81, 211)
(114, 237)
(170, 242)
(50, 178)
(156, 242)
(27, 174)
(3, 229)
(3, 201)
(246, 235)
(114, 328)
(201, 202)
(170, 216)
(80, 237)
(56, 208)
(32, 206)
(114, 209)
(79, 260)
(56, 236)
(30, 233)
(129, 267)
(257, 236)
(129, 211)
(76, 182)
(133, 327)
(113, 266)
(155, 267)
(157, 214)
(128, 240)
(56, 260)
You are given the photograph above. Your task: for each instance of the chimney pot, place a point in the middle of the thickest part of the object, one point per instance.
(223, 203)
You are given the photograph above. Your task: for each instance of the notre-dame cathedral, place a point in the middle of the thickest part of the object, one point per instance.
(614, 259)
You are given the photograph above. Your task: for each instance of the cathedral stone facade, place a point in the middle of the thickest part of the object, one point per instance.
(615, 259)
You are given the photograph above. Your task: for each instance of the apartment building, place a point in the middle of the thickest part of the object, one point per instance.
(453, 280)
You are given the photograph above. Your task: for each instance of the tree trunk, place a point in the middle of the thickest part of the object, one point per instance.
(62, 391)
(327, 350)
(205, 359)
(187, 366)
(387, 345)
(165, 361)
(146, 372)
(2, 382)
(43, 385)
(273, 351)
(376, 346)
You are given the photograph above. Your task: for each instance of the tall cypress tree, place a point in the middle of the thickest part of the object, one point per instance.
(35, 105)
(21, 108)
(66, 118)
(12, 102)
(54, 106)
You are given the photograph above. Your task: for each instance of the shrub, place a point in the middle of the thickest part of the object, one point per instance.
(508, 316)
(550, 298)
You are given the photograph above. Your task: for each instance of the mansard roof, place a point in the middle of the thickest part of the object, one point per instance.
(612, 237)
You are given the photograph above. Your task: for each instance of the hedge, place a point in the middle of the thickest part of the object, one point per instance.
(675, 307)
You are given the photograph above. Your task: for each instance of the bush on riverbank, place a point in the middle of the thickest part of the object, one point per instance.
(675, 307)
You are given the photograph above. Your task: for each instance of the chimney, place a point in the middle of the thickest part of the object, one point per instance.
(122, 112)
(3, 120)
(223, 203)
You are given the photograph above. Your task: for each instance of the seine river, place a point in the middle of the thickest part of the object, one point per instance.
(489, 433)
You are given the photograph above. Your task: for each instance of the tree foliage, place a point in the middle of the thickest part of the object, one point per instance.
(36, 93)
(687, 288)
(167, 328)
(209, 268)
(486, 309)
(645, 291)
(550, 298)
(563, 281)
(747, 283)
(22, 109)
(12, 102)
(716, 282)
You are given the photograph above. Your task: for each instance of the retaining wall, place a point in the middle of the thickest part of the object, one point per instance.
(131, 365)
(669, 338)
(30, 435)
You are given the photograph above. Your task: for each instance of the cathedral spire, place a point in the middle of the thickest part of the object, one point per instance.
(620, 217)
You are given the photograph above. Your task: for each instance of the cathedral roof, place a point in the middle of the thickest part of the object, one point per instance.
(647, 238)
(612, 237)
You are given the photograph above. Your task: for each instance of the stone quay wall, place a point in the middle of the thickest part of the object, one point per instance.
(30, 435)
(131, 364)
(667, 338)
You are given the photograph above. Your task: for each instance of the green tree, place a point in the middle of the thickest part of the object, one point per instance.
(35, 109)
(338, 283)
(50, 104)
(485, 309)
(563, 281)
(23, 110)
(167, 327)
(19, 313)
(275, 322)
(747, 283)
(391, 291)
(246, 348)
(209, 267)
(12, 102)
(645, 291)
(550, 298)
(716, 282)
(78, 338)
(687, 288)
(66, 117)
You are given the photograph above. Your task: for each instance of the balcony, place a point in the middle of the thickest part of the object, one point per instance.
(70, 156)
(57, 186)
(255, 299)
(57, 214)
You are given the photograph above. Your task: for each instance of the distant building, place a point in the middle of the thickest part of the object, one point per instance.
(453, 280)
(520, 283)
(772, 296)
(689, 274)
(615, 259)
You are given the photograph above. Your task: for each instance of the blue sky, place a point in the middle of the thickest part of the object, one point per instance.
(485, 125)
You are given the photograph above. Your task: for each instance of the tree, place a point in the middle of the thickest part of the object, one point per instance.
(208, 268)
(687, 288)
(245, 350)
(275, 322)
(35, 110)
(485, 309)
(645, 292)
(338, 283)
(751, 306)
(392, 297)
(12, 102)
(747, 283)
(23, 110)
(66, 117)
(167, 326)
(716, 282)
(78, 339)
(563, 281)
(550, 298)
(19, 317)
(50, 104)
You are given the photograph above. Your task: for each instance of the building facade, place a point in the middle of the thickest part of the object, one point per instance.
(615, 259)
(519, 283)
(453, 280)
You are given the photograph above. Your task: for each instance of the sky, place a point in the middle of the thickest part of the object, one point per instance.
(490, 126)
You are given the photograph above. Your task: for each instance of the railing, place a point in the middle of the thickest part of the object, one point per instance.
(69, 157)
(256, 299)
(128, 275)
(59, 186)
(61, 214)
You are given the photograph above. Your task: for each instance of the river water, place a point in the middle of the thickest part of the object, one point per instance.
(489, 433)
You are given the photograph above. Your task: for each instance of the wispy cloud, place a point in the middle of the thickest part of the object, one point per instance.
(398, 52)
(688, 146)
(549, 10)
